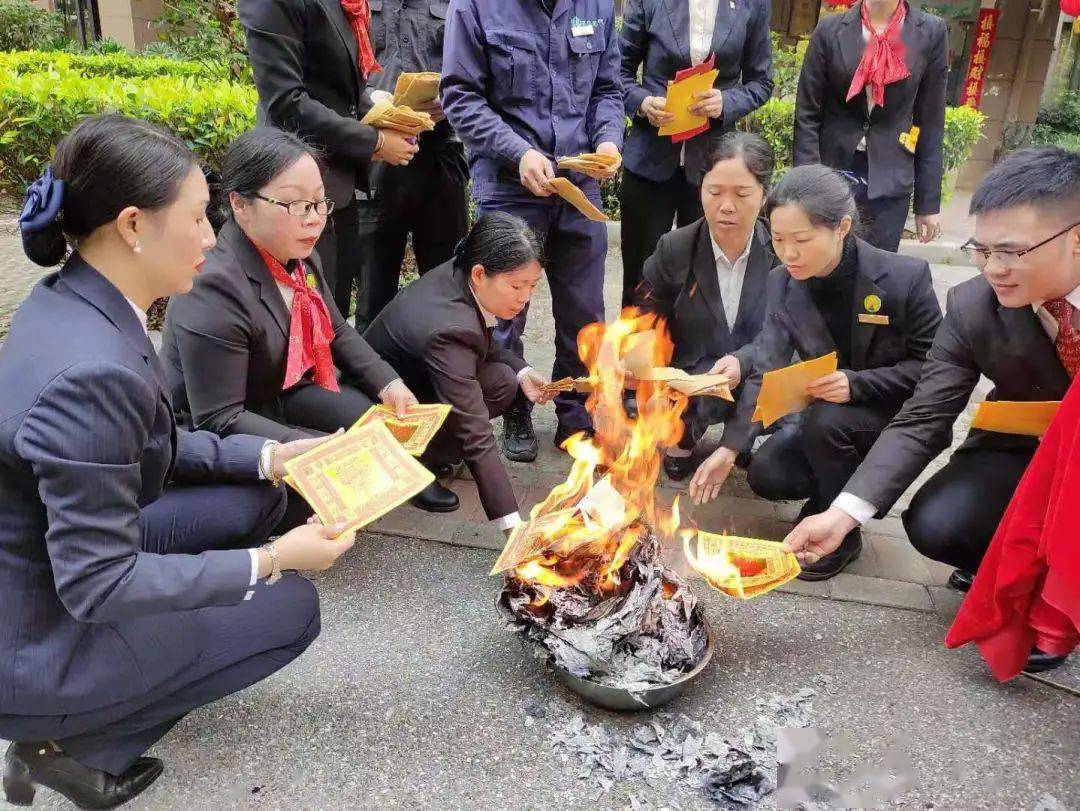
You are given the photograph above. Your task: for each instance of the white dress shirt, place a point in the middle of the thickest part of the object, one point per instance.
(731, 276)
(861, 510)
(702, 25)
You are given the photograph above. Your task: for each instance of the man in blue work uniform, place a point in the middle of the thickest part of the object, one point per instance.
(525, 82)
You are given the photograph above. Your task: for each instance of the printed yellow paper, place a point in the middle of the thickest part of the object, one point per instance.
(740, 567)
(415, 431)
(385, 115)
(413, 89)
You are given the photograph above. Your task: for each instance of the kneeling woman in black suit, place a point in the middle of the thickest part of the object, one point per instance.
(253, 348)
(707, 280)
(437, 333)
(835, 293)
(130, 552)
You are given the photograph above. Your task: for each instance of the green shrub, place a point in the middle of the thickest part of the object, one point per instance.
(1058, 123)
(963, 130)
(24, 26)
(37, 109)
(206, 31)
(122, 65)
(787, 64)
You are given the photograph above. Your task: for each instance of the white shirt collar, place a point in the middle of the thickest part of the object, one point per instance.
(1073, 298)
(718, 252)
(140, 313)
(490, 319)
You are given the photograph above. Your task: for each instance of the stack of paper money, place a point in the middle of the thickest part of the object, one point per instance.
(741, 567)
(385, 115)
(415, 430)
(357, 477)
(582, 385)
(416, 88)
(593, 164)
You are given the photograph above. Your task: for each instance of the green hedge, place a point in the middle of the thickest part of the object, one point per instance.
(121, 65)
(37, 109)
(23, 25)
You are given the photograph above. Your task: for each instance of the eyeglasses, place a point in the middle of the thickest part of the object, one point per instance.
(1006, 259)
(301, 208)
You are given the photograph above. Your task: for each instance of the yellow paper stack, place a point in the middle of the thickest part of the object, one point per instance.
(385, 115)
(593, 164)
(416, 88)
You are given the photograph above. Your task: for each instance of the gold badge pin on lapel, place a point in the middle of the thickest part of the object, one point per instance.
(872, 305)
(910, 139)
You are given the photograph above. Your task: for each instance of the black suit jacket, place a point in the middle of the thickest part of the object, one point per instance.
(828, 128)
(655, 40)
(680, 284)
(886, 359)
(304, 57)
(434, 334)
(978, 337)
(225, 345)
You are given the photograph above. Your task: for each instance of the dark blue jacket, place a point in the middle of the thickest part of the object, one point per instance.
(515, 78)
(656, 40)
(87, 440)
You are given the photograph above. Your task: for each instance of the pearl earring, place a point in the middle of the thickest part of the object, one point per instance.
(137, 248)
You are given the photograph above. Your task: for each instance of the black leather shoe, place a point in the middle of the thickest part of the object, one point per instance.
(436, 499)
(564, 432)
(835, 562)
(1039, 662)
(519, 440)
(961, 580)
(28, 765)
(678, 468)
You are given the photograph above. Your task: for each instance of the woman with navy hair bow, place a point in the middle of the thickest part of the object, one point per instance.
(136, 578)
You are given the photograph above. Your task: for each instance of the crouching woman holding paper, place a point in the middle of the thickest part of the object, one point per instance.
(437, 333)
(834, 293)
(135, 584)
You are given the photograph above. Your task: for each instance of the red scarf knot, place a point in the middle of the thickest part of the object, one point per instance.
(883, 60)
(358, 13)
(310, 331)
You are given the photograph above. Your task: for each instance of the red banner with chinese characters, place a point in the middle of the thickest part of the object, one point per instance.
(985, 30)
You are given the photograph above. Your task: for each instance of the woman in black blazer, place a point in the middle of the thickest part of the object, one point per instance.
(707, 281)
(659, 38)
(437, 333)
(834, 293)
(852, 109)
(253, 348)
(129, 550)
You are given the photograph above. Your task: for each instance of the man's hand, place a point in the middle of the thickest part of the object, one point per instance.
(433, 108)
(655, 109)
(532, 386)
(818, 535)
(398, 397)
(607, 148)
(290, 450)
(730, 367)
(397, 149)
(536, 173)
(711, 475)
(709, 103)
(834, 388)
(927, 227)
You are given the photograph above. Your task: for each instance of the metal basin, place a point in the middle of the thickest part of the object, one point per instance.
(615, 698)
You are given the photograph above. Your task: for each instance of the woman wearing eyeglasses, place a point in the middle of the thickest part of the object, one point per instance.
(253, 348)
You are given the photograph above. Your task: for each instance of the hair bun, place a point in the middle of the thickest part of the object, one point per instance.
(46, 246)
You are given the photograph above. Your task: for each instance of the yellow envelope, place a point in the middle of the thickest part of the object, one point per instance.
(783, 391)
(1012, 417)
(416, 88)
(576, 197)
(680, 97)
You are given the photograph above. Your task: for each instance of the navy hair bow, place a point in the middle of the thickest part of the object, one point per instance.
(44, 197)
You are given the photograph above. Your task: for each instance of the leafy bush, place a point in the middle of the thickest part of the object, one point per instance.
(120, 65)
(37, 109)
(206, 31)
(787, 64)
(1058, 123)
(24, 26)
(963, 130)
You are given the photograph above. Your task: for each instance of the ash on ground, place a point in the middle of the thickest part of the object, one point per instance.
(650, 632)
(669, 751)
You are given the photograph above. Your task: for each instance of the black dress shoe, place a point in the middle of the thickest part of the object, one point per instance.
(28, 765)
(1039, 662)
(519, 440)
(678, 468)
(564, 432)
(961, 580)
(835, 562)
(436, 499)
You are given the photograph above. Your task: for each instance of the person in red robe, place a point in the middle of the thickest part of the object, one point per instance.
(1027, 591)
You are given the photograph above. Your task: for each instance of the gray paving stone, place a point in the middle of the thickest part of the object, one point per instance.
(946, 600)
(897, 559)
(816, 588)
(876, 591)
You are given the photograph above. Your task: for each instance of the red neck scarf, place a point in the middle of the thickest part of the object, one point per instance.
(883, 60)
(359, 14)
(310, 331)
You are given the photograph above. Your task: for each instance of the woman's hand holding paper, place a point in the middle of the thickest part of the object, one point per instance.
(709, 103)
(398, 396)
(730, 367)
(655, 109)
(309, 548)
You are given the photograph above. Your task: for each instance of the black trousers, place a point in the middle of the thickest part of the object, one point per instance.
(953, 517)
(239, 645)
(814, 456)
(882, 219)
(324, 411)
(426, 200)
(648, 209)
(338, 249)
